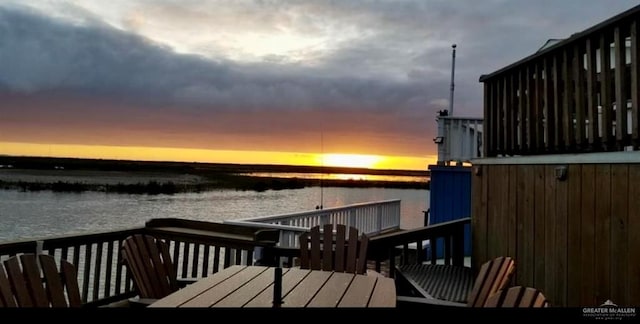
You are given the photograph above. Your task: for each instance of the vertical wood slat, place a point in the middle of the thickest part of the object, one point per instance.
(592, 95)
(621, 100)
(538, 113)
(522, 106)
(205, 260)
(185, 259)
(550, 232)
(529, 108)
(619, 231)
(176, 253)
(96, 271)
(567, 101)
(587, 234)
(557, 103)
(633, 237)
(513, 114)
(500, 126)
(87, 272)
(635, 83)
(76, 256)
(486, 137)
(539, 227)
(119, 267)
(216, 259)
(578, 92)
(561, 241)
(495, 118)
(196, 259)
(64, 253)
(574, 227)
(605, 92)
(508, 127)
(603, 232)
(238, 256)
(549, 109)
(227, 257)
(109, 270)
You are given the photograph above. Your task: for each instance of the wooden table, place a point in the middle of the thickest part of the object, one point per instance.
(252, 286)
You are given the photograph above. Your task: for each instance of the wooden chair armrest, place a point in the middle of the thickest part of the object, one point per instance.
(406, 301)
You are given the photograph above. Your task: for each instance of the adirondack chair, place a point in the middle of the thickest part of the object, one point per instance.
(31, 280)
(494, 275)
(517, 297)
(345, 253)
(151, 268)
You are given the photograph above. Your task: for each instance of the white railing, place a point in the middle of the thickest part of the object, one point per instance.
(369, 218)
(459, 139)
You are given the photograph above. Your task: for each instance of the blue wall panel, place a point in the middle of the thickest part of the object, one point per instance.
(450, 197)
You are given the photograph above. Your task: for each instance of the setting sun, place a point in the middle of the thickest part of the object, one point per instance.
(351, 160)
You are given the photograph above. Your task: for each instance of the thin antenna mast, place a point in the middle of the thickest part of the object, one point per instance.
(453, 69)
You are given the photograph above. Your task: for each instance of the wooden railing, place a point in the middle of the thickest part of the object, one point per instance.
(402, 247)
(408, 246)
(369, 218)
(579, 95)
(201, 248)
(197, 248)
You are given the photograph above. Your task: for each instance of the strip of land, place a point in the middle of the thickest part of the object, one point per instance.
(119, 176)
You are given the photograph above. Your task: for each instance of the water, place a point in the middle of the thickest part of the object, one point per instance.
(33, 215)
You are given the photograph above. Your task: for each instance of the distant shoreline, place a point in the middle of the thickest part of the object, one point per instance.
(141, 177)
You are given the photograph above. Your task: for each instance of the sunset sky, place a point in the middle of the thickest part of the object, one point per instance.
(259, 81)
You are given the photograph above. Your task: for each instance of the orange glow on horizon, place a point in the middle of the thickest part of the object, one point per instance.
(216, 156)
(351, 160)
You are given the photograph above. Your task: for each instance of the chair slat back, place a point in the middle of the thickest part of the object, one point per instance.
(346, 252)
(494, 275)
(150, 265)
(518, 297)
(35, 281)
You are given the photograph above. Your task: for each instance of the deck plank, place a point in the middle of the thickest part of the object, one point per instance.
(290, 280)
(247, 292)
(332, 291)
(384, 294)
(299, 296)
(359, 292)
(184, 295)
(210, 297)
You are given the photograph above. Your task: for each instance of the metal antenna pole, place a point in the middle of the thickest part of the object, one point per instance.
(453, 69)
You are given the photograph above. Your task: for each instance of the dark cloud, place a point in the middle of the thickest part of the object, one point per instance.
(42, 54)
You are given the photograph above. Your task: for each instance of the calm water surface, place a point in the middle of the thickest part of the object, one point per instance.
(30, 215)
